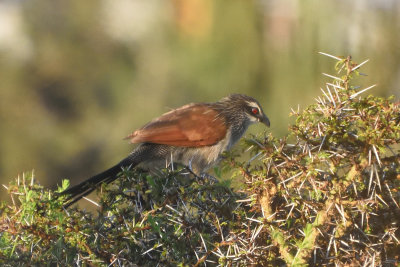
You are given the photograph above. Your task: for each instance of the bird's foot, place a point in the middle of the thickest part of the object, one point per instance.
(210, 178)
(202, 177)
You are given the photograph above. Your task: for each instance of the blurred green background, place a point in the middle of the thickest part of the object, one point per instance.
(78, 76)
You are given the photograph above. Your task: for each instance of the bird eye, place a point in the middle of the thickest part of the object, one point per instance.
(255, 111)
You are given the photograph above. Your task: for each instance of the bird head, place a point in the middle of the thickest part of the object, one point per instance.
(244, 108)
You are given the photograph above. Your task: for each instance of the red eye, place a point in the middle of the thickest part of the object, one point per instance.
(255, 111)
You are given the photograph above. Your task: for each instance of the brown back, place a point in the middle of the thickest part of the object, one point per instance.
(192, 125)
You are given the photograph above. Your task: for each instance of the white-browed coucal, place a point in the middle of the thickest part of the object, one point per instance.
(194, 135)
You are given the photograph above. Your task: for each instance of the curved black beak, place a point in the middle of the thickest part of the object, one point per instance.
(265, 120)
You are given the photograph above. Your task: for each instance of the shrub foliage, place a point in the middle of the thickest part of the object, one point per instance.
(328, 193)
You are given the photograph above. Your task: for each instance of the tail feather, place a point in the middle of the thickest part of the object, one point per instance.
(141, 153)
(88, 186)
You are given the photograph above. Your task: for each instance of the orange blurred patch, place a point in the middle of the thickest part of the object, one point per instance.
(193, 17)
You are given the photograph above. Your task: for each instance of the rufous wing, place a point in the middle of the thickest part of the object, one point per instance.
(192, 125)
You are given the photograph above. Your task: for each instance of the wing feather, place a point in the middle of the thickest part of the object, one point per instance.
(192, 125)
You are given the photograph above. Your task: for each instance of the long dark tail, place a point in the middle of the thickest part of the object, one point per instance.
(83, 189)
(88, 186)
(141, 153)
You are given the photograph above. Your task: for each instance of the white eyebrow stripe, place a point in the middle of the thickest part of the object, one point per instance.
(253, 104)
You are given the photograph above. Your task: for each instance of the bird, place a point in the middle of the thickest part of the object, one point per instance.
(194, 135)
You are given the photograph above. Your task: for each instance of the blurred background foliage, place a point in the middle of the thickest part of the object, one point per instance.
(78, 76)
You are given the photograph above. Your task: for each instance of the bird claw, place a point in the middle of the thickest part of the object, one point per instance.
(209, 177)
(202, 176)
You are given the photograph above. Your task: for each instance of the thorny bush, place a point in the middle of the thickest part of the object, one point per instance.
(326, 194)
